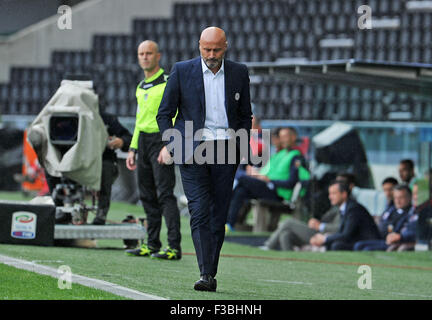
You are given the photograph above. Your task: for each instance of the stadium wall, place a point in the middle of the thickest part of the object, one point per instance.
(33, 45)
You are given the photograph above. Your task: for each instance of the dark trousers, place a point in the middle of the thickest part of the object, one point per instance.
(370, 245)
(156, 187)
(248, 188)
(340, 245)
(110, 172)
(208, 189)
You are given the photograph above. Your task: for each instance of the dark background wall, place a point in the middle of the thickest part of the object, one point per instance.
(18, 14)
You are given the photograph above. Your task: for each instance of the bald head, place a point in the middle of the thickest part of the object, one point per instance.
(213, 34)
(148, 44)
(212, 47)
(149, 56)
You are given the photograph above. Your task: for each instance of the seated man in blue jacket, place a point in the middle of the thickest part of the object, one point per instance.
(407, 235)
(392, 222)
(356, 222)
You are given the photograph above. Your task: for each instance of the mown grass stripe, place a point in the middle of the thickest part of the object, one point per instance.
(85, 281)
(320, 261)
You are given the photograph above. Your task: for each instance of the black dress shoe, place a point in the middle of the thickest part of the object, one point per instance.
(206, 283)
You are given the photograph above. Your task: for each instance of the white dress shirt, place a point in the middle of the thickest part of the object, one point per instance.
(342, 208)
(341, 211)
(216, 120)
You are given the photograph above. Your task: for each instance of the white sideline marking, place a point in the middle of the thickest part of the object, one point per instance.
(407, 294)
(288, 282)
(85, 281)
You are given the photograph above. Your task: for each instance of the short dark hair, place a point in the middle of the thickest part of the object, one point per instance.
(275, 131)
(403, 187)
(408, 162)
(343, 186)
(349, 177)
(292, 129)
(391, 180)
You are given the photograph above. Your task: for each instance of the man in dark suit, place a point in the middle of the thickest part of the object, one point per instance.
(211, 95)
(356, 222)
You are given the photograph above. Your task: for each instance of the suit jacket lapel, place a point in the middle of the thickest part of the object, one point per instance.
(228, 84)
(342, 226)
(198, 80)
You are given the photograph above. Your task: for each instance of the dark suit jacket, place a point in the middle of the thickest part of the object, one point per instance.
(185, 92)
(356, 224)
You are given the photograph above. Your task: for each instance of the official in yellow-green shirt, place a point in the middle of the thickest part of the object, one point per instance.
(149, 94)
(156, 180)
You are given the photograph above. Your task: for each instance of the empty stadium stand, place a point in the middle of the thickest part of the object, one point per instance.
(257, 30)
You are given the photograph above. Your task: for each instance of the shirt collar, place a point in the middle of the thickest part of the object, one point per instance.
(155, 76)
(206, 69)
(403, 210)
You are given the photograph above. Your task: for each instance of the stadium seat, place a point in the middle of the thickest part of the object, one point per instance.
(36, 92)
(254, 9)
(252, 42)
(14, 91)
(4, 91)
(10, 107)
(46, 93)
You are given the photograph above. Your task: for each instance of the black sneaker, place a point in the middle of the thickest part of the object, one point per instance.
(144, 251)
(168, 254)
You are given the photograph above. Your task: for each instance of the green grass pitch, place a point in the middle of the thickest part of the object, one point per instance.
(16, 284)
(244, 272)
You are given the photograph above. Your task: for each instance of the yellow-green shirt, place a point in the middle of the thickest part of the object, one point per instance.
(149, 94)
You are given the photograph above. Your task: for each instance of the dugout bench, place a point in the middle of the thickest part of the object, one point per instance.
(266, 213)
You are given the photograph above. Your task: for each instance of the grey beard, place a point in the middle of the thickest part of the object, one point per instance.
(212, 65)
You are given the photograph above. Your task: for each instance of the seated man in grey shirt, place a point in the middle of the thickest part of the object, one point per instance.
(295, 233)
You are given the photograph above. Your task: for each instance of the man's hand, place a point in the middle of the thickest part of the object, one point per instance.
(251, 171)
(115, 143)
(164, 156)
(393, 238)
(317, 240)
(262, 178)
(130, 161)
(314, 224)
